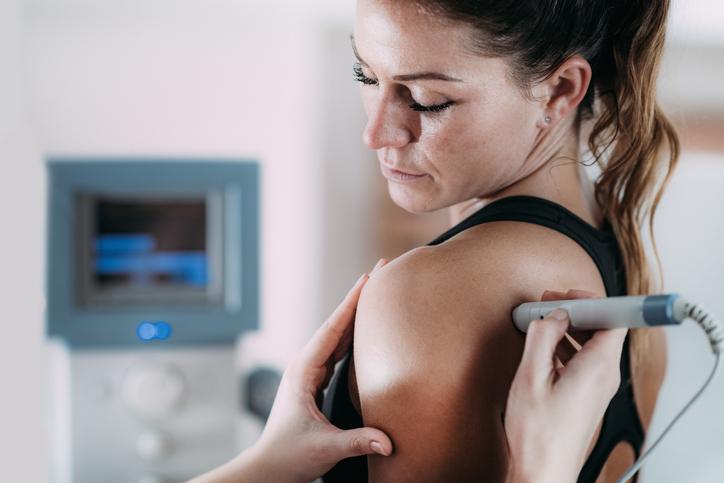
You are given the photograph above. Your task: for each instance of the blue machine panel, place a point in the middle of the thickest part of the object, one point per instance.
(148, 253)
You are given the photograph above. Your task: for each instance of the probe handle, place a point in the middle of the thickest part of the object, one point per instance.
(635, 311)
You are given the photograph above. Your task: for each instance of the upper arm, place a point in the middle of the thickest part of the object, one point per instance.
(437, 393)
(435, 352)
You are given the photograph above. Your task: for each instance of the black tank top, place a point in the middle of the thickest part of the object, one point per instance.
(621, 422)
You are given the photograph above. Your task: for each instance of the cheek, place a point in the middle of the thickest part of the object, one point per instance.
(456, 158)
(479, 144)
(502, 132)
(456, 146)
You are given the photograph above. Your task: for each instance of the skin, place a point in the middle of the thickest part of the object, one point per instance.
(434, 340)
(299, 444)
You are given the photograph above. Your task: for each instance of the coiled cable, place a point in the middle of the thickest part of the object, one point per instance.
(715, 333)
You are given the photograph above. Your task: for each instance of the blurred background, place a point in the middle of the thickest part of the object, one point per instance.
(244, 110)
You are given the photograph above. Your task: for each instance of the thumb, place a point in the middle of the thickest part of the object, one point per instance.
(361, 441)
(541, 342)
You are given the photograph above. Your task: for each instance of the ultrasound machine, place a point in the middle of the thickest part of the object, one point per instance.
(153, 273)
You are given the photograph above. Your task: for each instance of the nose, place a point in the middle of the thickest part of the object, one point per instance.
(386, 124)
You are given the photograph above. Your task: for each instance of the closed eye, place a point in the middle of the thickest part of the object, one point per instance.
(360, 77)
(434, 108)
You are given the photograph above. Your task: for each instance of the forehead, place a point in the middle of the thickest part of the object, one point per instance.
(400, 34)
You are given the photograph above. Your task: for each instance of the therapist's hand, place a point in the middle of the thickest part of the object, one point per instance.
(298, 443)
(553, 411)
(297, 434)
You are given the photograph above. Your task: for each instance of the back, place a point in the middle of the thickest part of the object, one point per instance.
(434, 341)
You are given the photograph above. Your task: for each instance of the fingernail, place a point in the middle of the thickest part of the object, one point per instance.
(559, 314)
(377, 448)
(379, 264)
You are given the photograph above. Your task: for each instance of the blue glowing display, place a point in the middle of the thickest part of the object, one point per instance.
(134, 259)
(148, 331)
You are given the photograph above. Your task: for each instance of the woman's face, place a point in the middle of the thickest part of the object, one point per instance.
(437, 110)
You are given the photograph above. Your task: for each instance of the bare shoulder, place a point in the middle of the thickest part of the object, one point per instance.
(483, 272)
(434, 342)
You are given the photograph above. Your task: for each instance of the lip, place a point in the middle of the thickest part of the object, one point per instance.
(397, 175)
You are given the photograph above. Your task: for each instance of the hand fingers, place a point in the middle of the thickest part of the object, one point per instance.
(605, 345)
(329, 372)
(579, 336)
(540, 346)
(381, 263)
(581, 294)
(361, 441)
(346, 340)
(334, 337)
(598, 362)
(565, 350)
(343, 346)
(327, 338)
(571, 294)
(552, 295)
(600, 351)
(568, 295)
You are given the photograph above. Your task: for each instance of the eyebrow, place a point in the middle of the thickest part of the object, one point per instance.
(408, 77)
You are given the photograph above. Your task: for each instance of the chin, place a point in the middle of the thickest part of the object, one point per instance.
(411, 200)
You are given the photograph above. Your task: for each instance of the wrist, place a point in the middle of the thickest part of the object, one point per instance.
(538, 471)
(267, 463)
(250, 466)
(517, 473)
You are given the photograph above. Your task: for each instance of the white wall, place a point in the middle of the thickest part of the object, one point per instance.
(690, 236)
(24, 444)
(691, 79)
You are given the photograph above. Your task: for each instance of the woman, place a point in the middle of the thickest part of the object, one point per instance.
(298, 444)
(481, 107)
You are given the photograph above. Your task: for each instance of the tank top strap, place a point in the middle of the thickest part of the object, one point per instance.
(600, 245)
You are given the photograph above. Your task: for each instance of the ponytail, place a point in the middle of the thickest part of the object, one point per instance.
(645, 146)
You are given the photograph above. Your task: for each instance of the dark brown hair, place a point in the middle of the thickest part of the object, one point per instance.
(623, 42)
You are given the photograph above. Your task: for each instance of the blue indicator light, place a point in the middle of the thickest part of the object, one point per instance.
(147, 331)
(163, 330)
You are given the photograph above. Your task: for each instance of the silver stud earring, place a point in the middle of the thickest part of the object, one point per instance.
(547, 119)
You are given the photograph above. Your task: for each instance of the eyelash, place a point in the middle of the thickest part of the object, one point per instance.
(415, 106)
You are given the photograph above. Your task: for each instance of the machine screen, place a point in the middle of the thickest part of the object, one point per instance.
(140, 249)
(150, 244)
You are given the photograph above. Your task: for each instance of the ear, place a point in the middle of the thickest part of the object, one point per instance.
(564, 90)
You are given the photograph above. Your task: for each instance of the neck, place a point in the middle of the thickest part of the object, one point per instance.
(551, 171)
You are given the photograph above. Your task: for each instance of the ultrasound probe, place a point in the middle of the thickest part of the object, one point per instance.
(631, 312)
